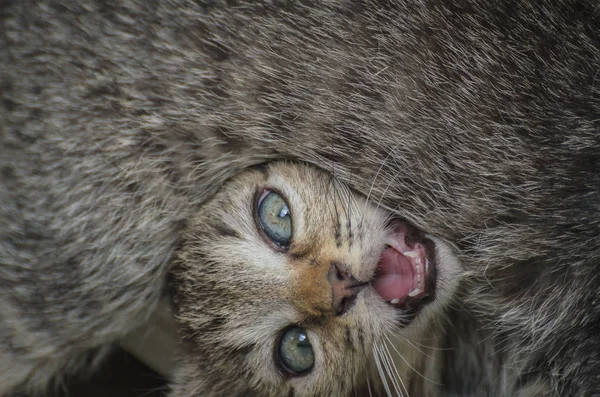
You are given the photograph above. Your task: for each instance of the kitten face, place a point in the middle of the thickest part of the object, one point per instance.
(286, 280)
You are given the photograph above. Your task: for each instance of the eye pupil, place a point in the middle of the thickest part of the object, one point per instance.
(275, 218)
(296, 354)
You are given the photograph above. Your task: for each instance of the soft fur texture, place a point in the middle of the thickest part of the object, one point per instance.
(477, 121)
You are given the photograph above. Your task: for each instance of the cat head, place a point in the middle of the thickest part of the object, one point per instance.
(286, 281)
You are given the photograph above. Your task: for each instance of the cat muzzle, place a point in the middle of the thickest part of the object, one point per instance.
(344, 289)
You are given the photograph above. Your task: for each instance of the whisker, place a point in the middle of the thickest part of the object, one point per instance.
(415, 344)
(340, 187)
(375, 180)
(392, 180)
(416, 348)
(410, 366)
(330, 195)
(381, 372)
(369, 386)
(154, 391)
(349, 204)
(396, 370)
(335, 196)
(390, 364)
(336, 192)
(367, 368)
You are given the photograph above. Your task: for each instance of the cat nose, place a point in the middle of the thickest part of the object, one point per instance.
(344, 289)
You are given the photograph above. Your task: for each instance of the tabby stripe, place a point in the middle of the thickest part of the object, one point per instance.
(225, 231)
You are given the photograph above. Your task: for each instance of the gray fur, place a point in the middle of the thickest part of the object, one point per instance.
(477, 121)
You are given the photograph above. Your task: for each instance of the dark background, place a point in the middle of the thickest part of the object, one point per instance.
(121, 376)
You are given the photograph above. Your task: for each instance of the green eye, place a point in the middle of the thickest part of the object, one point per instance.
(295, 353)
(275, 218)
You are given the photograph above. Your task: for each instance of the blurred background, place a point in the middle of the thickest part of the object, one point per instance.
(121, 376)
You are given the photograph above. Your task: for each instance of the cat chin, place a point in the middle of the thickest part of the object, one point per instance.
(448, 275)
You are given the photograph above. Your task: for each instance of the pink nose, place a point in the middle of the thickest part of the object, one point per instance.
(344, 289)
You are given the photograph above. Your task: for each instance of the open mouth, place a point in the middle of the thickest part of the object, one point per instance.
(405, 275)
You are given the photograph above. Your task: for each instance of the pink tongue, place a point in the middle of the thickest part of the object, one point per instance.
(394, 276)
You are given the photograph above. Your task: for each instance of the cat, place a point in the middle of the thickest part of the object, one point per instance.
(283, 253)
(287, 283)
(476, 122)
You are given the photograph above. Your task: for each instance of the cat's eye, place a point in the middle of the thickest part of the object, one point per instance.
(275, 218)
(295, 352)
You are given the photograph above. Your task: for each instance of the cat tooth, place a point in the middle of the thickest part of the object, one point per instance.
(427, 263)
(411, 254)
(395, 301)
(393, 244)
(414, 292)
(398, 246)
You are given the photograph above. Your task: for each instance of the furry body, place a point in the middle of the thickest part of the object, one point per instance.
(476, 121)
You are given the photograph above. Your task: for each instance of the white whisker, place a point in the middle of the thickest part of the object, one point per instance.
(416, 345)
(369, 386)
(382, 375)
(410, 366)
(375, 179)
(390, 363)
(392, 180)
